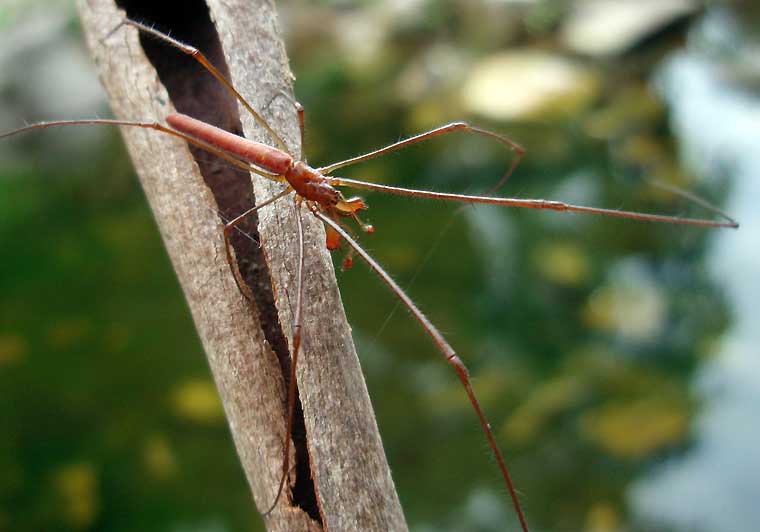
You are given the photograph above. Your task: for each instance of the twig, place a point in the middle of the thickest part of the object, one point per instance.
(351, 480)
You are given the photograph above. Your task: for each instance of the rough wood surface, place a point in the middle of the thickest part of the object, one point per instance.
(353, 485)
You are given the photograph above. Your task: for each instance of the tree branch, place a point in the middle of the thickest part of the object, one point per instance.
(246, 344)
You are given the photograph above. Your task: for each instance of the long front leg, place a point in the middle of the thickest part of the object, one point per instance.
(540, 204)
(437, 132)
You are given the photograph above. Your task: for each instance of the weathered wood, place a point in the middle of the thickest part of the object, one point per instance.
(353, 485)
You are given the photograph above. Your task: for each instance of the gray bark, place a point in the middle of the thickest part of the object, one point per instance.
(354, 489)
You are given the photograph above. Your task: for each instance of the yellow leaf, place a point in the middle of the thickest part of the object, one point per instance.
(636, 429)
(76, 485)
(197, 401)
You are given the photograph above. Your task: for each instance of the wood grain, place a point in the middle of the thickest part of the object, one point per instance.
(351, 479)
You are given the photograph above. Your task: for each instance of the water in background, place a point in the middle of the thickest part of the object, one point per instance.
(714, 485)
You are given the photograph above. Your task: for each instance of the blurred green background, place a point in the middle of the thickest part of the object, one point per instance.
(606, 353)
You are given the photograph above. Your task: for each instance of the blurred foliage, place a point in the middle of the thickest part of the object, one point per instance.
(581, 333)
